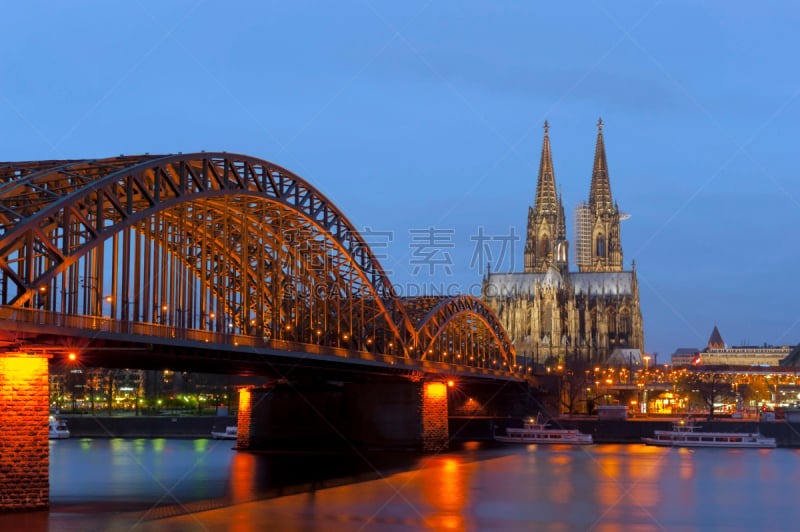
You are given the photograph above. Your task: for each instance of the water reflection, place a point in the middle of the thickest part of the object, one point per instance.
(614, 487)
(243, 477)
(445, 491)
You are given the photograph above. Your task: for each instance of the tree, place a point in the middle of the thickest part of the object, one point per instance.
(756, 390)
(573, 383)
(708, 389)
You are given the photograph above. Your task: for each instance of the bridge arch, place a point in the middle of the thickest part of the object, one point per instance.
(192, 241)
(461, 330)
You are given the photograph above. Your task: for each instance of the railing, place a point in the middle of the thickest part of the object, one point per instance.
(153, 330)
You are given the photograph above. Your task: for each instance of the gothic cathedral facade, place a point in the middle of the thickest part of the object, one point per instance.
(551, 313)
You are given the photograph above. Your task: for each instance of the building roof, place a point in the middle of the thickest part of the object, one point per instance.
(686, 351)
(591, 283)
(716, 339)
(625, 357)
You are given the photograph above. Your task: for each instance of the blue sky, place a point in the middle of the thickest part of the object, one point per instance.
(411, 115)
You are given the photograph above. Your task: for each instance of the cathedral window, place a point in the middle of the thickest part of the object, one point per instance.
(612, 324)
(545, 242)
(561, 252)
(601, 246)
(547, 326)
(625, 324)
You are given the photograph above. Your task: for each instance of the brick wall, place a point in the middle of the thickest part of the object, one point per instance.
(435, 432)
(24, 447)
(245, 416)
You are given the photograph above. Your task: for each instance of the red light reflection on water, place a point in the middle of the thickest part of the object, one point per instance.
(243, 477)
(444, 489)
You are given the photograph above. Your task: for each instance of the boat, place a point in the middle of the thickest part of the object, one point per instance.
(536, 431)
(231, 433)
(58, 429)
(685, 433)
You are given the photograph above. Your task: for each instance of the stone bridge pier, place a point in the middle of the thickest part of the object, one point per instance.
(24, 446)
(409, 415)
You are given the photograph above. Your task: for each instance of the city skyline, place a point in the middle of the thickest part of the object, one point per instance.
(409, 124)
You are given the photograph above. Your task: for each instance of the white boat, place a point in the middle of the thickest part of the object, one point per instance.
(231, 433)
(685, 434)
(537, 432)
(58, 429)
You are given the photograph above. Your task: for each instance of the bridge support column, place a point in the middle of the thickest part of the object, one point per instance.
(435, 430)
(244, 418)
(24, 446)
(366, 415)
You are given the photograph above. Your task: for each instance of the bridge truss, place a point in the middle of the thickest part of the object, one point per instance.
(217, 242)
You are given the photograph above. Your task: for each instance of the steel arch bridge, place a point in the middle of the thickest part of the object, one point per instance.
(216, 242)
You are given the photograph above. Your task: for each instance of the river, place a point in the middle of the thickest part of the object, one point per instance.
(166, 485)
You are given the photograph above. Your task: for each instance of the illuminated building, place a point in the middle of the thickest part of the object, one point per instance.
(549, 311)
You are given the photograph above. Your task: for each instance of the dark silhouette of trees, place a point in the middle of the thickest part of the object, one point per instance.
(708, 389)
(573, 383)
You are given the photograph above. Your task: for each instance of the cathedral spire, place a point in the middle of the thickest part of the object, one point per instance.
(562, 223)
(600, 193)
(546, 199)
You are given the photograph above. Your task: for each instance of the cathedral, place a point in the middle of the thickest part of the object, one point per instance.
(552, 313)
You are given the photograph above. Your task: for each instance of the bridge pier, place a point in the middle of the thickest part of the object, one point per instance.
(435, 427)
(24, 446)
(329, 415)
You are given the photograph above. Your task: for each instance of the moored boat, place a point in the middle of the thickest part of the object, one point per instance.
(536, 431)
(685, 434)
(231, 433)
(58, 429)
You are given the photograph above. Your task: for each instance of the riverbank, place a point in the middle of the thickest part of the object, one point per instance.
(462, 429)
(146, 426)
(633, 430)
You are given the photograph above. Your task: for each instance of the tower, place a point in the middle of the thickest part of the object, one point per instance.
(715, 341)
(546, 243)
(582, 222)
(606, 250)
